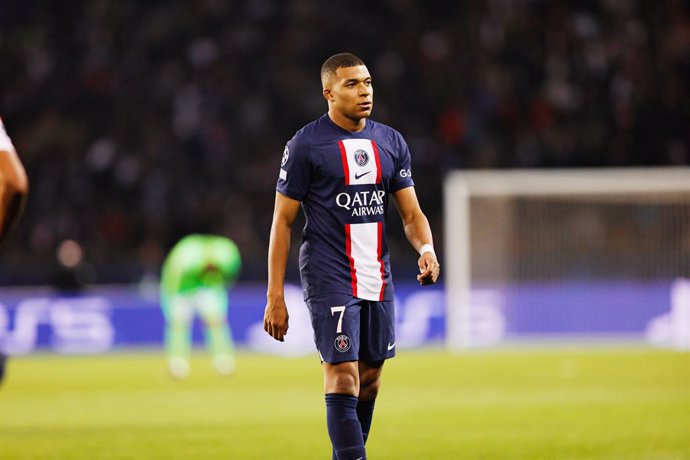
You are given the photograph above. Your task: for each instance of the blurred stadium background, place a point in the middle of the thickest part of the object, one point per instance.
(551, 145)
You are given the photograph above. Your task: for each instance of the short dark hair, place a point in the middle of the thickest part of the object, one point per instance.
(337, 61)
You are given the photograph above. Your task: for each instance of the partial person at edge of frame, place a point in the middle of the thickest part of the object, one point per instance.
(14, 188)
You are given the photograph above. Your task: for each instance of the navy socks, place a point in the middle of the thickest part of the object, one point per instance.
(344, 427)
(365, 412)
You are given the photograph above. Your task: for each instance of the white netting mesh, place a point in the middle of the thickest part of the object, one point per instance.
(560, 248)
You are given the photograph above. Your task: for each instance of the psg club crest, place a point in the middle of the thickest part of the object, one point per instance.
(361, 157)
(286, 154)
(342, 343)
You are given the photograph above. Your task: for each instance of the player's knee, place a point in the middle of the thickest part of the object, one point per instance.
(343, 383)
(370, 381)
(369, 387)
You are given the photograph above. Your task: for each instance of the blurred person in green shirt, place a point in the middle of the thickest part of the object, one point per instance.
(196, 276)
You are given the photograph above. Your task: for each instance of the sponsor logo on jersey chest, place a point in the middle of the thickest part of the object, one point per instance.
(364, 203)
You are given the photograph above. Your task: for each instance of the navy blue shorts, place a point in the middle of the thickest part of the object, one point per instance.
(360, 330)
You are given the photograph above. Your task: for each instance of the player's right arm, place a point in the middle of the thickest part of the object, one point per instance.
(276, 314)
(14, 185)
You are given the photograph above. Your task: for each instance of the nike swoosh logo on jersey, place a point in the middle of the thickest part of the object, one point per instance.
(357, 176)
(391, 346)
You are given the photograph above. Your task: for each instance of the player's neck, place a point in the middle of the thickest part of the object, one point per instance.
(348, 124)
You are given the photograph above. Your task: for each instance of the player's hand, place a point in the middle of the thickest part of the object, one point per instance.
(276, 318)
(429, 269)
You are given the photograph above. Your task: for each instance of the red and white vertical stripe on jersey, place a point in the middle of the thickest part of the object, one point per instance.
(363, 246)
(343, 157)
(380, 250)
(348, 250)
(378, 161)
(361, 162)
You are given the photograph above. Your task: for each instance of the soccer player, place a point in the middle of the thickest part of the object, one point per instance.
(342, 168)
(14, 187)
(196, 276)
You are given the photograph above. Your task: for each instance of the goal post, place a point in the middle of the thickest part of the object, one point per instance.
(576, 252)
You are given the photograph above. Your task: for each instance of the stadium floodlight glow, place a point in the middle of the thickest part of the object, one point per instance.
(490, 214)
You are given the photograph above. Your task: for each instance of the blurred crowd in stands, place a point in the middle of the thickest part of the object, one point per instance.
(140, 122)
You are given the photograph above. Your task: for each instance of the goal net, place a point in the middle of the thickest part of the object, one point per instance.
(567, 254)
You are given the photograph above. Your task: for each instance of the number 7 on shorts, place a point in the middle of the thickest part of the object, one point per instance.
(341, 310)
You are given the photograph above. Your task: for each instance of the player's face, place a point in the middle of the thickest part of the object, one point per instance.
(351, 93)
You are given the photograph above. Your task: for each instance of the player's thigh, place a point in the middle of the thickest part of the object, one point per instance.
(212, 304)
(377, 332)
(180, 309)
(336, 329)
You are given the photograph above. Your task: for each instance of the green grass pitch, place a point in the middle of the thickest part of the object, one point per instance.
(565, 403)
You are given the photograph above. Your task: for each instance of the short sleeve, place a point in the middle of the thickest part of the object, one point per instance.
(402, 176)
(5, 141)
(295, 169)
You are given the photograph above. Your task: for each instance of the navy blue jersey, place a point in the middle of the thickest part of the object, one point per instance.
(343, 180)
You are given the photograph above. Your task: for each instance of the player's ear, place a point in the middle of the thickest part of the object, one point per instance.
(327, 94)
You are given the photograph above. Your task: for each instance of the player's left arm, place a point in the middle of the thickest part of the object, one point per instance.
(418, 233)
